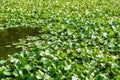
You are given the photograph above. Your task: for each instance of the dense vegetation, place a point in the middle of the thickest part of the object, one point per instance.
(78, 40)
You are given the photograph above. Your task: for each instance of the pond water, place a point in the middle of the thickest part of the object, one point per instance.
(12, 35)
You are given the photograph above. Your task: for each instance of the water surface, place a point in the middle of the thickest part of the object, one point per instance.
(12, 35)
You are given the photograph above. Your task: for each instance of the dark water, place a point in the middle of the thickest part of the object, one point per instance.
(12, 35)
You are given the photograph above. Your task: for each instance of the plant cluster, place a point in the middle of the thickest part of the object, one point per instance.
(79, 40)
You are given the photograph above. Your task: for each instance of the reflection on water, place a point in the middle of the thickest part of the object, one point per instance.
(12, 35)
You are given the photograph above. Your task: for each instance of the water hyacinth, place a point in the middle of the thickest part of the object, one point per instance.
(77, 40)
